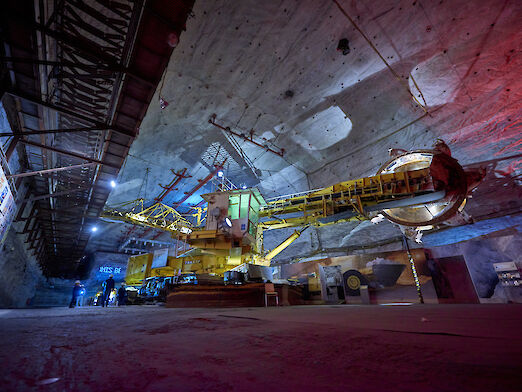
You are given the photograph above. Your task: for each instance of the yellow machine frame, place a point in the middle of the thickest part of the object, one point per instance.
(344, 201)
(158, 216)
(352, 195)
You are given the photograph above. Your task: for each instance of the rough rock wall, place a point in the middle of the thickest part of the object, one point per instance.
(19, 272)
(480, 254)
(57, 292)
(53, 292)
(486, 242)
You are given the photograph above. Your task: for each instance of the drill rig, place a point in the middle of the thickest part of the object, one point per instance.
(415, 189)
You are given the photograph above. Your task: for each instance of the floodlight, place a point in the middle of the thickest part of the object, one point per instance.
(227, 222)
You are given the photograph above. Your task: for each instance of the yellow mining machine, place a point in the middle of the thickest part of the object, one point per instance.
(420, 188)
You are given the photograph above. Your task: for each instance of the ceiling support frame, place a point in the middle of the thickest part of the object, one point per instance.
(56, 169)
(72, 154)
(66, 111)
(47, 131)
(97, 79)
(55, 194)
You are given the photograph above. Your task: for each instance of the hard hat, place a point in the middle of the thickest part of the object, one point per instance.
(111, 276)
(77, 282)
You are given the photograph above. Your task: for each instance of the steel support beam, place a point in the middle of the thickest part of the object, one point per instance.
(31, 241)
(62, 178)
(212, 120)
(82, 44)
(58, 222)
(64, 63)
(12, 146)
(40, 250)
(177, 178)
(36, 100)
(21, 209)
(35, 228)
(68, 208)
(33, 247)
(29, 217)
(40, 172)
(56, 194)
(201, 184)
(47, 131)
(72, 154)
(111, 64)
(34, 232)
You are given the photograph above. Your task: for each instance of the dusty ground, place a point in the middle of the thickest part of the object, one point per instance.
(324, 348)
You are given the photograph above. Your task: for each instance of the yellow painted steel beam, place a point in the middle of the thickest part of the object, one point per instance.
(302, 221)
(283, 245)
(352, 195)
(345, 201)
(202, 234)
(159, 216)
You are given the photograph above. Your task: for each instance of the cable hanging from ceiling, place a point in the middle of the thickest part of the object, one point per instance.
(394, 73)
(144, 184)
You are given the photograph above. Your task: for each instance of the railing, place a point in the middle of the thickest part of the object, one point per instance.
(292, 195)
(222, 184)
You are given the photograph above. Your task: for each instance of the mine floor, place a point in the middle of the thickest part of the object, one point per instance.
(307, 348)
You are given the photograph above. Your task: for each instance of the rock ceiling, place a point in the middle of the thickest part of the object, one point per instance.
(273, 67)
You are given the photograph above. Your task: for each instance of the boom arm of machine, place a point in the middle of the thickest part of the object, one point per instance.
(158, 216)
(415, 188)
(349, 200)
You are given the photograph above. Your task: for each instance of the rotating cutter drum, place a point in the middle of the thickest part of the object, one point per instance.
(447, 175)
